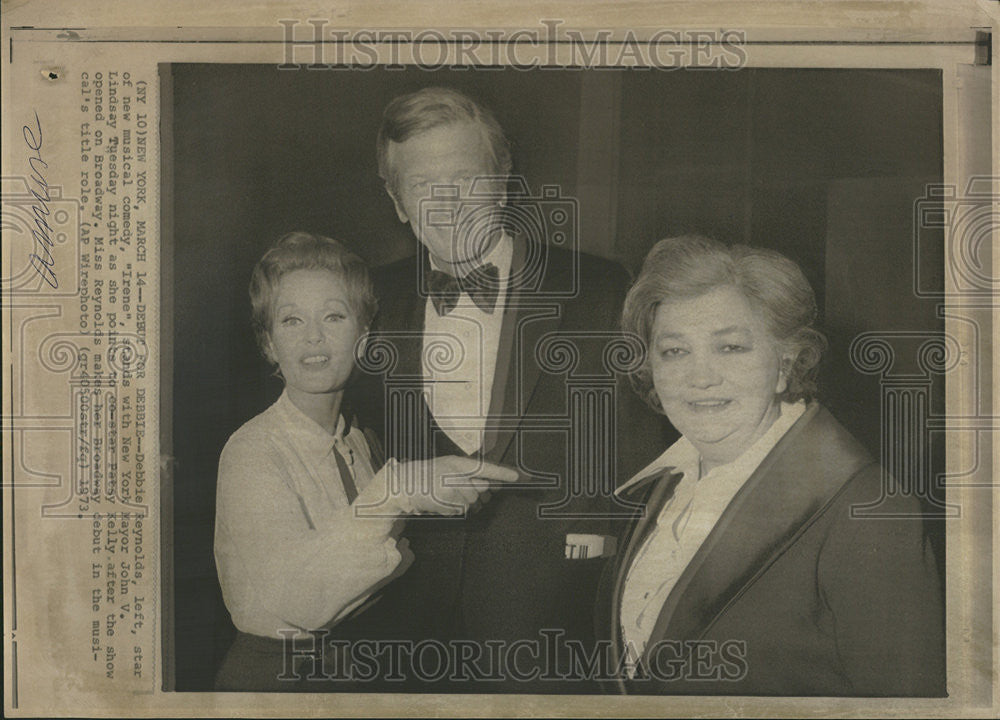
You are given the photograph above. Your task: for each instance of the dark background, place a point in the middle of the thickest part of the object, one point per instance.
(823, 165)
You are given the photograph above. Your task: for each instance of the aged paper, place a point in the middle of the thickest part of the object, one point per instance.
(151, 156)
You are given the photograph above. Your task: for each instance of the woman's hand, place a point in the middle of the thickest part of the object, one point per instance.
(444, 486)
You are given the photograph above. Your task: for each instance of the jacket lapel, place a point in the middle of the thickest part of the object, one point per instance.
(789, 488)
(527, 317)
(413, 310)
(406, 417)
(400, 319)
(658, 488)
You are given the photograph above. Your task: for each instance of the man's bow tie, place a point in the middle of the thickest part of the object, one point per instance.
(482, 285)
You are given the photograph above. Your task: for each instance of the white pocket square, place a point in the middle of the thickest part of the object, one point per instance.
(580, 546)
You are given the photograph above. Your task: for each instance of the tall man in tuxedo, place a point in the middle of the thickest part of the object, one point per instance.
(495, 342)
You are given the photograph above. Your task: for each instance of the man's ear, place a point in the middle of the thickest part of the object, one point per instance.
(400, 211)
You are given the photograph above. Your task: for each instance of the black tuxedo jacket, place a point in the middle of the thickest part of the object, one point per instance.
(501, 575)
(790, 594)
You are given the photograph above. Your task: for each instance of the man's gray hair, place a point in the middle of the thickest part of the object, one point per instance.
(431, 107)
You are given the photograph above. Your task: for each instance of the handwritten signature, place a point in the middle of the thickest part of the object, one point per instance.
(41, 259)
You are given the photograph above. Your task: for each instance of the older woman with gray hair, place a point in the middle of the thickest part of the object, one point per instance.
(749, 573)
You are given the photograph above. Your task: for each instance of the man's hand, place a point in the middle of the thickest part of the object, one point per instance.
(443, 486)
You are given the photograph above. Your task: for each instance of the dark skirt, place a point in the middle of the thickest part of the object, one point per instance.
(257, 664)
(315, 662)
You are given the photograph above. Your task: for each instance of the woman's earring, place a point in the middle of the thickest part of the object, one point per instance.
(360, 346)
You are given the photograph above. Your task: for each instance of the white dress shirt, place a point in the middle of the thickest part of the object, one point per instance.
(460, 355)
(683, 525)
(289, 549)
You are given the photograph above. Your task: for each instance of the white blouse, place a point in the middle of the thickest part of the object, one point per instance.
(290, 550)
(683, 524)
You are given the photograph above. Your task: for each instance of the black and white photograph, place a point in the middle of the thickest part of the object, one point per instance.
(422, 359)
(584, 350)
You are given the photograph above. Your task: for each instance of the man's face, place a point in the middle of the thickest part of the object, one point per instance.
(455, 230)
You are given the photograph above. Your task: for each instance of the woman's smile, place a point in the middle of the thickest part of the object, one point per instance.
(315, 360)
(716, 370)
(713, 404)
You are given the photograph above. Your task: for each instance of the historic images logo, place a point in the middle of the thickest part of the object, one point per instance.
(545, 46)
